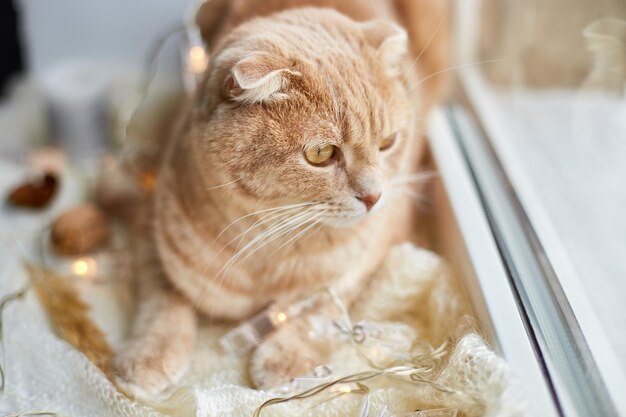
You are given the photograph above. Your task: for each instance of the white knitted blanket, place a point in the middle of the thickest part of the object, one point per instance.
(414, 288)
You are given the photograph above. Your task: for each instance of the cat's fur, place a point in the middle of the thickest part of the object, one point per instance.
(284, 74)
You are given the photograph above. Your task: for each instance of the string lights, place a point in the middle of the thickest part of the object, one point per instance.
(194, 54)
(415, 363)
(250, 333)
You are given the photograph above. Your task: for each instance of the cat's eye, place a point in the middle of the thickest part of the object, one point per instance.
(319, 155)
(387, 142)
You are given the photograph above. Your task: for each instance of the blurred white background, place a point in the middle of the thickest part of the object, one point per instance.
(118, 32)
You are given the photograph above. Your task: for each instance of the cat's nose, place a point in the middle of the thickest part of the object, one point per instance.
(369, 199)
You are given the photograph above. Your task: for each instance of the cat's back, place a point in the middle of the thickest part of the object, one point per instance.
(217, 17)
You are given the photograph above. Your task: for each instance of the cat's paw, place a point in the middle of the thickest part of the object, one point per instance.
(145, 368)
(273, 364)
(283, 356)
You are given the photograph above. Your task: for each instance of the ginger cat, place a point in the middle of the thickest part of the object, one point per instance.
(288, 173)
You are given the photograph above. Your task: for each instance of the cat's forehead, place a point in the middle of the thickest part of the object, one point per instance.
(355, 126)
(356, 106)
(352, 87)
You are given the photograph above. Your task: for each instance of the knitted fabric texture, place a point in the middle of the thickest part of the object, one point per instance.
(413, 290)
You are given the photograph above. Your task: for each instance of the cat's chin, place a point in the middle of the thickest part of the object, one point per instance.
(344, 222)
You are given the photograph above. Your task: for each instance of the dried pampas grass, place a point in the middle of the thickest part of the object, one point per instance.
(69, 316)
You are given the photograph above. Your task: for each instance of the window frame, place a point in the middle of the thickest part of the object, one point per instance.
(491, 288)
(559, 274)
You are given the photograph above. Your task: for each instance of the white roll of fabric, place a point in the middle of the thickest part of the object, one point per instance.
(76, 95)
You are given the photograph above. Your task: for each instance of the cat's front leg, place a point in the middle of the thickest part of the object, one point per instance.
(159, 352)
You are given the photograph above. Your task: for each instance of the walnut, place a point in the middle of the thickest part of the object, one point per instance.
(80, 230)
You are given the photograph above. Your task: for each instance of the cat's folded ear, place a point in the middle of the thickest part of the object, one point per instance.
(257, 78)
(390, 42)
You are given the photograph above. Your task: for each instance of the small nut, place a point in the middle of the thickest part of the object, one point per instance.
(35, 193)
(80, 230)
(116, 190)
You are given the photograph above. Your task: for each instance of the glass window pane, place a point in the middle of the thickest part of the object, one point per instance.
(547, 79)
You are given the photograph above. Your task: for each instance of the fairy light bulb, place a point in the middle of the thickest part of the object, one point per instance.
(251, 332)
(198, 60)
(147, 181)
(281, 317)
(194, 54)
(345, 389)
(84, 267)
(80, 267)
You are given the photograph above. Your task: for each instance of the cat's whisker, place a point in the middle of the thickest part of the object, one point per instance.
(277, 213)
(223, 185)
(285, 229)
(294, 238)
(412, 178)
(286, 212)
(274, 216)
(402, 191)
(280, 208)
(409, 89)
(455, 67)
(265, 237)
(411, 68)
(283, 234)
(316, 220)
(279, 226)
